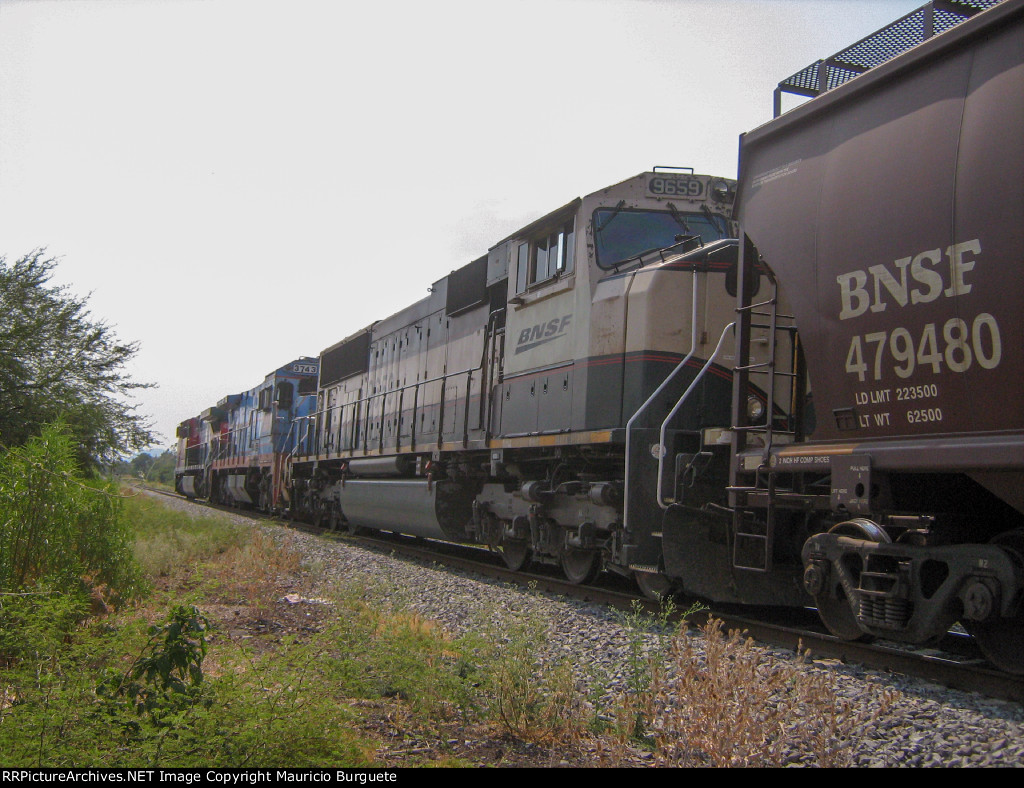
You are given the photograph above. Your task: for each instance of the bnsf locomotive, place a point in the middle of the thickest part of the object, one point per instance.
(818, 407)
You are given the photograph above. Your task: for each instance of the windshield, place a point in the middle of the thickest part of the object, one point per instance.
(622, 234)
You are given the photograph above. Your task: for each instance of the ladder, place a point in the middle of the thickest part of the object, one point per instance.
(753, 492)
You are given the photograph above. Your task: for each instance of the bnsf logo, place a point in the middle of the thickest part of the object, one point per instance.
(530, 338)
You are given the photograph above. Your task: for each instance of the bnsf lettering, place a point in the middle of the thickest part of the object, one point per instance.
(543, 332)
(918, 280)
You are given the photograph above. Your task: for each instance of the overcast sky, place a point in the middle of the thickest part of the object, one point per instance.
(236, 183)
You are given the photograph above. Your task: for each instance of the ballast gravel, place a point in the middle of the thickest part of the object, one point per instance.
(923, 725)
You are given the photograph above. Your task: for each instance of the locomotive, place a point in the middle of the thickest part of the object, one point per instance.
(236, 452)
(503, 408)
(793, 389)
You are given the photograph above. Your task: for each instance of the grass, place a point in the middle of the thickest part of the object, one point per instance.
(343, 682)
(166, 542)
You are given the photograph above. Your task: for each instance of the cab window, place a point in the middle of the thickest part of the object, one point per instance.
(546, 255)
(622, 235)
(284, 395)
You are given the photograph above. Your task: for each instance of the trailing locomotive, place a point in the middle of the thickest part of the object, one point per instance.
(824, 412)
(236, 452)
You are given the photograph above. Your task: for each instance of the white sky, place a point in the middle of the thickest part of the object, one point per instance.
(235, 183)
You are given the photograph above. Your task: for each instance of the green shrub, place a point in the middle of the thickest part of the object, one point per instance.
(57, 530)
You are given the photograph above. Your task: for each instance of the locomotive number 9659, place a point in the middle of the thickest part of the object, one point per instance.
(676, 186)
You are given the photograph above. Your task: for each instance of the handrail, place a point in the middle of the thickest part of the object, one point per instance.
(678, 405)
(657, 391)
(308, 443)
(383, 395)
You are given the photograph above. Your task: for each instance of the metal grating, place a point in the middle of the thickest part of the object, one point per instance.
(881, 46)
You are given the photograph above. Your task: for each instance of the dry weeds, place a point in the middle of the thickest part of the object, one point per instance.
(730, 703)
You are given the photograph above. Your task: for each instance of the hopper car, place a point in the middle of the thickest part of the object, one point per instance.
(888, 213)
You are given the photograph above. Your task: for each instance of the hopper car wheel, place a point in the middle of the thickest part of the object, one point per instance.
(834, 609)
(356, 530)
(515, 553)
(654, 585)
(1001, 640)
(580, 566)
(837, 616)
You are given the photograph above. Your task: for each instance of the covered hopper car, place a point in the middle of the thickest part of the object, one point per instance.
(889, 215)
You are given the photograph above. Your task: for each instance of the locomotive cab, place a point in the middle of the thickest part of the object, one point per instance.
(597, 291)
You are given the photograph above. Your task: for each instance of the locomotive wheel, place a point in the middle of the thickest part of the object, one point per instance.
(654, 585)
(516, 553)
(1002, 639)
(580, 566)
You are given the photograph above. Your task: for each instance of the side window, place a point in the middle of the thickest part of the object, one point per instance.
(284, 395)
(546, 255)
(523, 267)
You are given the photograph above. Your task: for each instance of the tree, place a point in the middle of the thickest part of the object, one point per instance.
(57, 362)
(141, 463)
(162, 470)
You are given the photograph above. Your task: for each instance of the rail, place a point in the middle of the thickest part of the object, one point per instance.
(325, 428)
(678, 405)
(657, 392)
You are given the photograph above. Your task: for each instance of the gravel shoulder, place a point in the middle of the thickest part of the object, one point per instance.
(922, 724)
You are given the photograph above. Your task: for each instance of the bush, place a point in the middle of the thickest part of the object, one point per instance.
(58, 531)
(65, 548)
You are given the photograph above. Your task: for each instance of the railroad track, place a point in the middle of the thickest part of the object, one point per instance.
(955, 662)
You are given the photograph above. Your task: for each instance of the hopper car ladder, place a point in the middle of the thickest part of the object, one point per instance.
(752, 492)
